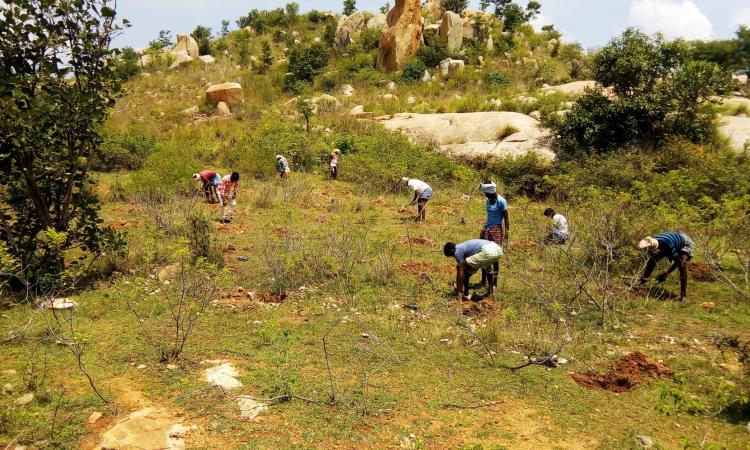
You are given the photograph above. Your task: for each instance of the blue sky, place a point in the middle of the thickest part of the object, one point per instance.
(590, 22)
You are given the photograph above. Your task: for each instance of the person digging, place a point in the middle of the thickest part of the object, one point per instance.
(227, 192)
(677, 248)
(282, 166)
(211, 180)
(422, 195)
(333, 163)
(471, 256)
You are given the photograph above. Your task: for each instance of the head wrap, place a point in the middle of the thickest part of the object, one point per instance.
(489, 188)
(196, 176)
(279, 156)
(648, 243)
(405, 179)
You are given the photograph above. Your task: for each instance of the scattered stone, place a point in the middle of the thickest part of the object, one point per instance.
(347, 90)
(249, 408)
(229, 93)
(96, 415)
(348, 26)
(207, 59)
(708, 305)
(426, 77)
(7, 389)
(25, 399)
(411, 100)
(172, 367)
(401, 36)
(148, 428)
(359, 112)
(496, 102)
(186, 44)
(390, 97)
(536, 115)
(326, 101)
(141, 366)
(451, 28)
(644, 441)
(449, 66)
(193, 110)
(223, 109)
(575, 88)
(222, 375)
(391, 86)
(62, 303)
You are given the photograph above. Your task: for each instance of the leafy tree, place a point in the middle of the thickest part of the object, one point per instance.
(329, 34)
(512, 14)
(455, 5)
(291, 10)
(349, 7)
(434, 51)
(58, 82)
(413, 70)
(224, 28)
(243, 47)
(307, 62)
(202, 35)
(163, 40)
(385, 8)
(659, 92)
(127, 65)
(306, 110)
(266, 57)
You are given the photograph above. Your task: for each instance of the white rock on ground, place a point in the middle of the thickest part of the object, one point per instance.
(411, 100)
(449, 66)
(222, 375)
(474, 134)
(148, 428)
(7, 389)
(390, 97)
(229, 93)
(62, 303)
(347, 90)
(181, 59)
(95, 416)
(391, 86)
(359, 109)
(223, 109)
(737, 129)
(249, 408)
(25, 399)
(426, 76)
(193, 110)
(207, 59)
(186, 44)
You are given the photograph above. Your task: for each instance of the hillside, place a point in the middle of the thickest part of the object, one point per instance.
(324, 316)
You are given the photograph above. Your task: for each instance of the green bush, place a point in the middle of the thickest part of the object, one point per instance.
(122, 150)
(305, 62)
(413, 71)
(497, 79)
(369, 39)
(434, 51)
(522, 175)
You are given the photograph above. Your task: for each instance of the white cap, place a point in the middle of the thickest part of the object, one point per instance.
(279, 156)
(405, 179)
(196, 176)
(490, 188)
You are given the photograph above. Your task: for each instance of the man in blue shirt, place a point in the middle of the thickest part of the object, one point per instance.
(497, 215)
(471, 256)
(677, 248)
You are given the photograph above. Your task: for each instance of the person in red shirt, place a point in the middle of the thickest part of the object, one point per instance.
(211, 180)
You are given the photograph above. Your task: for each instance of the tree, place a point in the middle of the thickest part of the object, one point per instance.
(349, 7)
(306, 109)
(455, 6)
(127, 64)
(163, 40)
(58, 82)
(512, 14)
(307, 62)
(385, 8)
(659, 92)
(291, 10)
(224, 28)
(202, 35)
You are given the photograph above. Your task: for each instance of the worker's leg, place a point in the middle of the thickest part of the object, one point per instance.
(207, 190)
(223, 203)
(230, 210)
(496, 270)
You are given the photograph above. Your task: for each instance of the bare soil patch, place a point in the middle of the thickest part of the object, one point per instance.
(700, 271)
(629, 372)
(416, 240)
(478, 308)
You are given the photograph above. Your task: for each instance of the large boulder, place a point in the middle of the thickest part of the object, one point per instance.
(433, 9)
(478, 134)
(470, 28)
(575, 88)
(229, 93)
(402, 35)
(737, 130)
(348, 26)
(377, 22)
(452, 28)
(450, 66)
(181, 59)
(186, 43)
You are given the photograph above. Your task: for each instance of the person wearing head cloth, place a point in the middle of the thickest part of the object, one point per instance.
(282, 166)
(422, 194)
(334, 163)
(211, 180)
(497, 218)
(677, 248)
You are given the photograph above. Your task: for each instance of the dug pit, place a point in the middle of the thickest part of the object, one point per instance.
(629, 372)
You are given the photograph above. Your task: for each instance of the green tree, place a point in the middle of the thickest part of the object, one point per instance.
(202, 36)
(127, 64)
(413, 70)
(659, 92)
(52, 106)
(307, 62)
(306, 110)
(455, 5)
(266, 57)
(385, 8)
(511, 13)
(163, 40)
(224, 28)
(349, 7)
(291, 10)
(243, 47)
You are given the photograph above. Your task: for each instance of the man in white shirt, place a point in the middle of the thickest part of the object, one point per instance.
(422, 194)
(560, 234)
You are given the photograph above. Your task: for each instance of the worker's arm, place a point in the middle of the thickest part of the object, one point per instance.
(414, 200)
(460, 277)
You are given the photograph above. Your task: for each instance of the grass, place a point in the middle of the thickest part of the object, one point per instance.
(395, 382)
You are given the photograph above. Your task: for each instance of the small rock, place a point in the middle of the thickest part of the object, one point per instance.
(96, 415)
(562, 361)
(25, 399)
(391, 86)
(708, 305)
(62, 303)
(141, 366)
(365, 335)
(535, 115)
(223, 109)
(645, 441)
(243, 258)
(193, 110)
(411, 100)
(347, 90)
(9, 372)
(426, 76)
(172, 367)
(8, 389)
(390, 97)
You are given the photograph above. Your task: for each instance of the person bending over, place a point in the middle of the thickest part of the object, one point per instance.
(422, 194)
(471, 256)
(211, 180)
(560, 233)
(678, 248)
(227, 192)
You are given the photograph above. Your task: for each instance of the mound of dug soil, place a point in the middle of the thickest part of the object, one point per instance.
(630, 371)
(480, 308)
(700, 271)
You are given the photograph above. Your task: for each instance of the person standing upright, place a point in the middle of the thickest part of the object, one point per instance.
(497, 219)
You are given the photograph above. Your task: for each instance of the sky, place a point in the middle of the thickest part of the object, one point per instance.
(591, 22)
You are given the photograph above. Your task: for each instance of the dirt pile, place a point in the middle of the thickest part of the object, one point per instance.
(630, 371)
(700, 271)
(478, 308)
(416, 240)
(416, 267)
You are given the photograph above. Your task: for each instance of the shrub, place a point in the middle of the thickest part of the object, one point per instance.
(369, 39)
(122, 151)
(434, 51)
(127, 64)
(522, 175)
(455, 5)
(307, 62)
(413, 71)
(497, 79)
